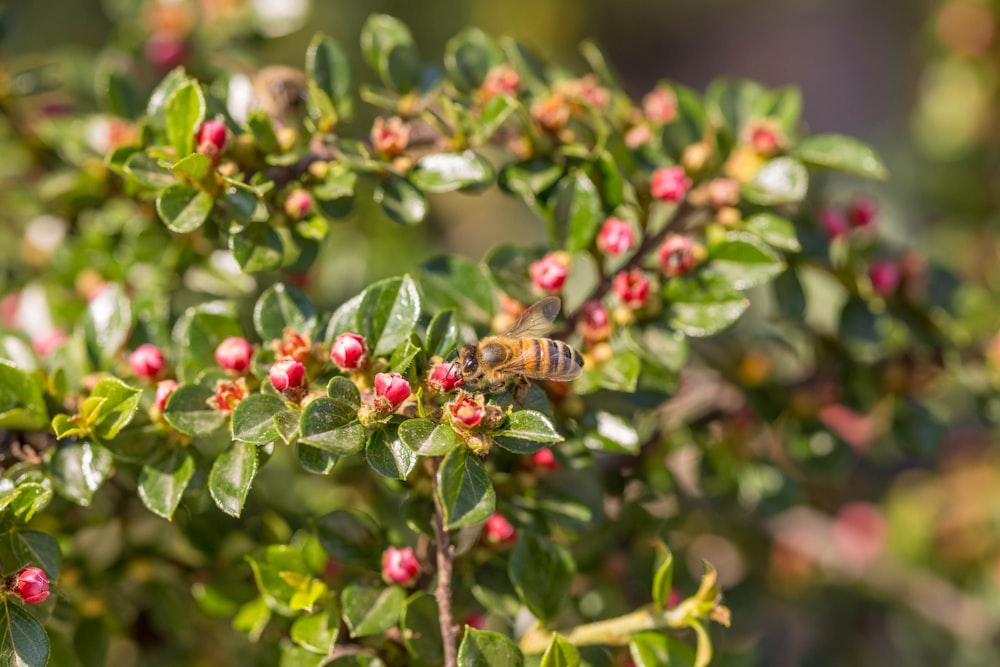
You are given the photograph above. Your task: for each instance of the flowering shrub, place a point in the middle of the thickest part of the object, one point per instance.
(166, 352)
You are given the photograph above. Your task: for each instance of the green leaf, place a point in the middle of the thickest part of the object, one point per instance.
(335, 195)
(612, 433)
(185, 111)
(193, 167)
(231, 476)
(421, 629)
(357, 660)
(156, 108)
(198, 332)
(541, 572)
(117, 409)
(744, 261)
(468, 56)
(774, 230)
(481, 648)
(23, 642)
(702, 305)
(688, 127)
(619, 373)
(465, 489)
(33, 547)
(345, 318)
(401, 200)
(458, 283)
(526, 431)
(262, 130)
(703, 650)
(388, 455)
(254, 419)
(578, 211)
(509, 267)
(257, 247)
(240, 203)
(350, 537)
(332, 425)
(494, 114)
(842, 153)
(650, 649)
(388, 47)
(272, 566)
(388, 314)
(188, 411)
(783, 180)
(789, 295)
(281, 306)
(318, 631)
(184, 208)
(329, 71)
(108, 323)
(447, 172)
(442, 334)
(21, 403)
(560, 653)
(78, 470)
(370, 610)
(730, 104)
(118, 90)
(426, 438)
(344, 391)
(663, 575)
(530, 177)
(24, 500)
(162, 481)
(252, 618)
(315, 460)
(148, 171)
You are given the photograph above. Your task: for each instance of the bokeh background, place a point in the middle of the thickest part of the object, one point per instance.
(918, 79)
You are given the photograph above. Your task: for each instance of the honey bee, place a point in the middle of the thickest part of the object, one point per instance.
(280, 91)
(519, 354)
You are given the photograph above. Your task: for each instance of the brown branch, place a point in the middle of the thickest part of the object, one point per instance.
(442, 591)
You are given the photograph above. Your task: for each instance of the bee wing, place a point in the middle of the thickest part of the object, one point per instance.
(536, 320)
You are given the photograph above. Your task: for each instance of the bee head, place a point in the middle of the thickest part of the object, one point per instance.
(467, 360)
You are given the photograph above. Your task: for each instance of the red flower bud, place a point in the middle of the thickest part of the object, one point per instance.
(764, 136)
(228, 394)
(30, 584)
(293, 344)
(211, 139)
(475, 621)
(147, 361)
(164, 388)
(674, 598)
(616, 237)
(391, 389)
(549, 273)
(500, 80)
(498, 530)
(545, 459)
(390, 137)
(632, 287)
(551, 113)
(669, 184)
(676, 255)
(884, 276)
(234, 354)
(400, 566)
(165, 50)
(297, 204)
(595, 322)
(660, 106)
(861, 212)
(349, 352)
(586, 89)
(288, 376)
(466, 412)
(638, 135)
(833, 222)
(46, 343)
(444, 378)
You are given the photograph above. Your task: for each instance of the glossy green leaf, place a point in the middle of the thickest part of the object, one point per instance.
(509, 267)
(663, 575)
(447, 172)
(494, 114)
(480, 648)
(730, 104)
(578, 211)
(468, 56)
(465, 489)
(156, 107)
(185, 110)
(262, 131)
(745, 261)
(281, 306)
(335, 194)
(702, 305)
(388, 455)
(426, 438)
(350, 536)
(650, 649)
(560, 653)
(388, 314)
(371, 610)
(252, 618)
(783, 180)
(774, 230)
(108, 323)
(357, 660)
(688, 127)
(526, 431)
(23, 642)
(442, 334)
(619, 373)
(21, 403)
(78, 469)
(458, 283)
(611, 433)
(703, 646)
(148, 171)
(388, 47)
(25, 499)
(117, 409)
(332, 426)
(789, 295)
(273, 569)
(315, 460)
(318, 631)
(240, 203)
(193, 167)
(329, 69)
(162, 481)
(530, 178)
(402, 357)
(231, 476)
(33, 547)
(257, 247)
(421, 628)
(541, 572)
(842, 153)
(345, 318)
(184, 208)
(188, 411)
(401, 200)
(253, 419)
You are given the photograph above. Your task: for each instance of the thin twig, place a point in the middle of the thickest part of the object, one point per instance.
(442, 592)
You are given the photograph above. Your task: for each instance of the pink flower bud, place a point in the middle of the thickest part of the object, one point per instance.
(400, 566)
(475, 621)
(594, 323)
(444, 378)
(500, 80)
(545, 460)
(764, 136)
(349, 352)
(551, 113)
(288, 376)
(724, 192)
(859, 532)
(466, 412)
(884, 276)
(297, 204)
(390, 137)
(211, 139)
(676, 255)
(391, 389)
(147, 361)
(228, 394)
(616, 237)
(30, 584)
(498, 530)
(833, 222)
(549, 273)
(164, 388)
(234, 354)
(670, 184)
(861, 212)
(165, 50)
(632, 287)
(46, 343)
(638, 135)
(660, 106)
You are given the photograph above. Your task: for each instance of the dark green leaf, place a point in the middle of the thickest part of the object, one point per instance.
(388, 314)
(842, 153)
(509, 267)
(612, 433)
(231, 476)
(455, 282)
(530, 177)
(578, 212)
(345, 318)
(789, 295)
(560, 653)
(442, 334)
(465, 489)
(403, 357)
(370, 610)
(282, 306)
(335, 195)
(185, 109)
(427, 438)
(783, 180)
(526, 431)
(271, 566)
(332, 426)
(257, 247)
(184, 208)
(481, 648)
(494, 114)
(117, 409)
(188, 411)
(240, 203)
(421, 629)
(253, 419)
(350, 537)
(148, 171)
(315, 460)
(198, 332)
(388, 455)
(23, 642)
(388, 48)
(541, 572)
(619, 373)
(730, 104)
(21, 403)
(447, 172)
(858, 323)
(108, 323)
(744, 261)
(163, 480)
(318, 631)
(468, 56)
(263, 132)
(401, 200)
(663, 575)
(329, 69)
(702, 305)
(78, 470)
(33, 547)
(118, 90)
(774, 230)
(688, 127)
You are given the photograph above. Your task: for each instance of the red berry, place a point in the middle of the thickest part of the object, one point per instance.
(616, 237)
(676, 255)
(147, 361)
(670, 184)
(234, 354)
(349, 352)
(498, 530)
(444, 378)
(833, 222)
(30, 584)
(466, 412)
(549, 273)
(391, 389)
(400, 566)
(861, 212)
(632, 287)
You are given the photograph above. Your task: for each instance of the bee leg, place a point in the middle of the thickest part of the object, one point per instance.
(520, 390)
